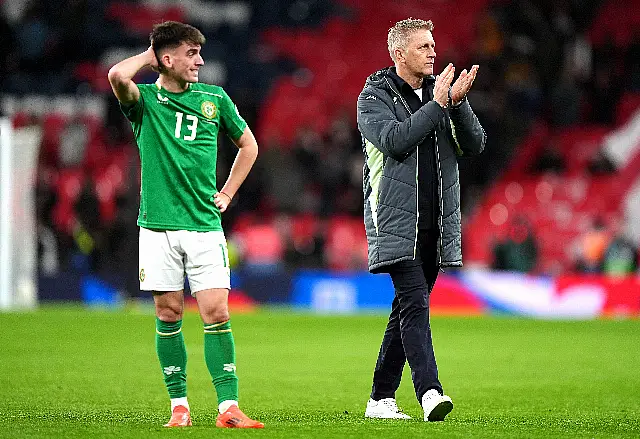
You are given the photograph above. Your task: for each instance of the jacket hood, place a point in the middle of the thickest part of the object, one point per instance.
(377, 78)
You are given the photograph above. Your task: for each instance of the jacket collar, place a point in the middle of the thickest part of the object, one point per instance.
(403, 86)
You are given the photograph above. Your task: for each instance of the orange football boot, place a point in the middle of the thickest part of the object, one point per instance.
(234, 418)
(180, 417)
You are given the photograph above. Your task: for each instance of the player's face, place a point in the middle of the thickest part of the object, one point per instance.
(420, 53)
(186, 62)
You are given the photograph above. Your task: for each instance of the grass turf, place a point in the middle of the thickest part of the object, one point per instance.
(74, 373)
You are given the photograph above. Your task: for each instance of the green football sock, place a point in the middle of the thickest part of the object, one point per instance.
(220, 355)
(173, 357)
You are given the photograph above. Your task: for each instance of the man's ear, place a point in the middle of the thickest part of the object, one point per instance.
(399, 55)
(165, 61)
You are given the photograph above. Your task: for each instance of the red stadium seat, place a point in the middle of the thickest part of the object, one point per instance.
(52, 126)
(70, 183)
(69, 186)
(263, 245)
(139, 18)
(617, 20)
(579, 145)
(304, 227)
(346, 246)
(21, 119)
(628, 105)
(337, 53)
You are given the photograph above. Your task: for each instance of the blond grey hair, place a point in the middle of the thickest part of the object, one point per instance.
(398, 36)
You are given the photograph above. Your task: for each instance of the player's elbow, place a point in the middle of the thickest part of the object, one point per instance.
(247, 143)
(115, 76)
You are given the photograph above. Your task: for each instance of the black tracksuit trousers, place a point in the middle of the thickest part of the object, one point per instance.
(408, 333)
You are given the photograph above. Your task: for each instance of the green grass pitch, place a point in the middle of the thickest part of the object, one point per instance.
(75, 373)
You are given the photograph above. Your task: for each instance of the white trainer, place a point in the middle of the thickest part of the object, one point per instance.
(384, 409)
(436, 406)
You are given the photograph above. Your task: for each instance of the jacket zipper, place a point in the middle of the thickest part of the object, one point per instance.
(440, 217)
(406, 107)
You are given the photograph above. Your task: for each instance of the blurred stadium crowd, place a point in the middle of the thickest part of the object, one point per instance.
(558, 93)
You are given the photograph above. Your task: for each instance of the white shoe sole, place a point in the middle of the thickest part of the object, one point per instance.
(371, 414)
(381, 416)
(440, 411)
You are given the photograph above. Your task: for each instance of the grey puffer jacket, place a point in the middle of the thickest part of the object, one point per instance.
(392, 138)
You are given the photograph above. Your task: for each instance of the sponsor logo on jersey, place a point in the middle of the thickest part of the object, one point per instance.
(162, 99)
(209, 109)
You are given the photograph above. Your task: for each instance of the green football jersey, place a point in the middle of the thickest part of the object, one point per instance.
(177, 137)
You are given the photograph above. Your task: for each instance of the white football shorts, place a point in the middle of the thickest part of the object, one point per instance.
(166, 256)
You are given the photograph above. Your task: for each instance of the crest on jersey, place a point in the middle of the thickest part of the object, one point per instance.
(209, 109)
(142, 276)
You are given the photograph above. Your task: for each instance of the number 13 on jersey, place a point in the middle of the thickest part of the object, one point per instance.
(191, 127)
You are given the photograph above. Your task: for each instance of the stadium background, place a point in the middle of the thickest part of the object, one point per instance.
(554, 195)
(550, 212)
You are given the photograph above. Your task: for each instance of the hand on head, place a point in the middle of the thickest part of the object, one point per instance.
(153, 59)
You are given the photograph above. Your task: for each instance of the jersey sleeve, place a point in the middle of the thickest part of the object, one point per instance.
(232, 123)
(134, 111)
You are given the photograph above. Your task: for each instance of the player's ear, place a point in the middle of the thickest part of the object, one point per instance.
(164, 61)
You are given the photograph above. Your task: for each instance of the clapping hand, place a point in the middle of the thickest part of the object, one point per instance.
(441, 87)
(463, 85)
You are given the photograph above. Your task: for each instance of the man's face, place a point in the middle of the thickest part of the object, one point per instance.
(184, 62)
(420, 53)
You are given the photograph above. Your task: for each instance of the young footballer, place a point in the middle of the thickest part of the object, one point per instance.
(176, 122)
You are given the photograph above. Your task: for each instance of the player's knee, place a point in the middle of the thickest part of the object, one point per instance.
(169, 313)
(217, 315)
(221, 316)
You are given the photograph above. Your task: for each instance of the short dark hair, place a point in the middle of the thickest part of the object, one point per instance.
(171, 34)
